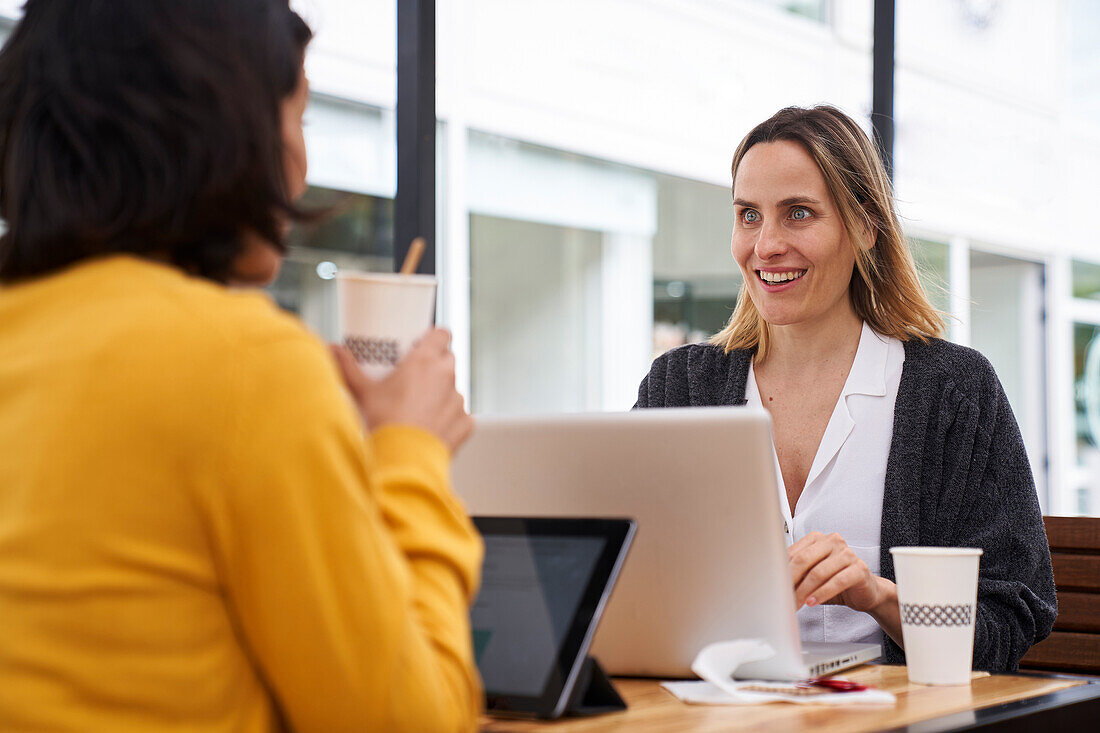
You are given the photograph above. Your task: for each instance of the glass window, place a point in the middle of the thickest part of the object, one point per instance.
(356, 224)
(352, 180)
(812, 9)
(695, 279)
(1085, 480)
(1007, 325)
(354, 233)
(560, 278)
(536, 310)
(1086, 280)
(691, 311)
(933, 267)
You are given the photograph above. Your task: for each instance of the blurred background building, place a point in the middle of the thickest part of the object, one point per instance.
(583, 196)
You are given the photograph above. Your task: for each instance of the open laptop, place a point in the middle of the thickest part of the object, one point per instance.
(709, 562)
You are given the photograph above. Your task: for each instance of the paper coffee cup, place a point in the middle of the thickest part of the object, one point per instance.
(381, 315)
(937, 597)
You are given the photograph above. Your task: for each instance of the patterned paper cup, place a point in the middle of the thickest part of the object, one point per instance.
(381, 315)
(937, 597)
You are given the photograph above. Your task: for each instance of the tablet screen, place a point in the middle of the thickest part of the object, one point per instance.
(531, 588)
(543, 585)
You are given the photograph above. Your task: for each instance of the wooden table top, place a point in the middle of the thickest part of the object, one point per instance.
(652, 708)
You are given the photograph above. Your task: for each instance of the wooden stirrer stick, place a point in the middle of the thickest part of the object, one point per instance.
(412, 258)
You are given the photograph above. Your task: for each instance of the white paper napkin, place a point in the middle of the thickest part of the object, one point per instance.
(716, 663)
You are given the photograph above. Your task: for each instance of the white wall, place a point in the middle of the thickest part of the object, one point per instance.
(665, 86)
(515, 181)
(1002, 50)
(1077, 230)
(354, 51)
(985, 147)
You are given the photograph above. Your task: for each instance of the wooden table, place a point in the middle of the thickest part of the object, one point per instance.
(652, 708)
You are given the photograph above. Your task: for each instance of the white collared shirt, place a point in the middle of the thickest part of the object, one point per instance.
(843, 491)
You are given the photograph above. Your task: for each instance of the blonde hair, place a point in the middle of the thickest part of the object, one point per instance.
(885, 290)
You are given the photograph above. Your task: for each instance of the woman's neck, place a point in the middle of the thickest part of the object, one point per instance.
(809, 347)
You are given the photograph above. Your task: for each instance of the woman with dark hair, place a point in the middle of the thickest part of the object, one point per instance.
(884, 434)
(196, 532)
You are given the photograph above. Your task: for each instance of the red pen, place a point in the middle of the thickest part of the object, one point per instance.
(834, 685)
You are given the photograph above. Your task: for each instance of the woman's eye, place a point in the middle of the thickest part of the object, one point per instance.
(800, 214)
(749, 216)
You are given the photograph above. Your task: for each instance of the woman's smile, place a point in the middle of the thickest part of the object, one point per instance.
(775, 280)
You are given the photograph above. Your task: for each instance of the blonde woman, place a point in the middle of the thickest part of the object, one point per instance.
(885, 434)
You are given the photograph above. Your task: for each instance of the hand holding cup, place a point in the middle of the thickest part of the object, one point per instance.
(419, 391)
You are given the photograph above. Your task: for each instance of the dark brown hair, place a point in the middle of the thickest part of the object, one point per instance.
(885, 289)
(144, 126)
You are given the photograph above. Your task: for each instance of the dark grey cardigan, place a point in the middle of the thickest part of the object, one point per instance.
(957, 475)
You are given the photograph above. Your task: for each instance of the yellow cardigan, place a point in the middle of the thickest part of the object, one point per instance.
(194, 534)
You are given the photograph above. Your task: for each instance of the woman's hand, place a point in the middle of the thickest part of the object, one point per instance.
(420, 391)
(826, 570)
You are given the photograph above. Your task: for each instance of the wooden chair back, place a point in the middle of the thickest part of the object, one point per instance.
(1074, 646)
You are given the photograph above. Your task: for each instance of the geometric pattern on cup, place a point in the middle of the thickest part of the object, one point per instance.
(922, 614)
(372, 350)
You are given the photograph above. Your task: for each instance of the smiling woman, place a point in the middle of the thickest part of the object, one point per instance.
(831, 179)
(796, 246)
(884, 435)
